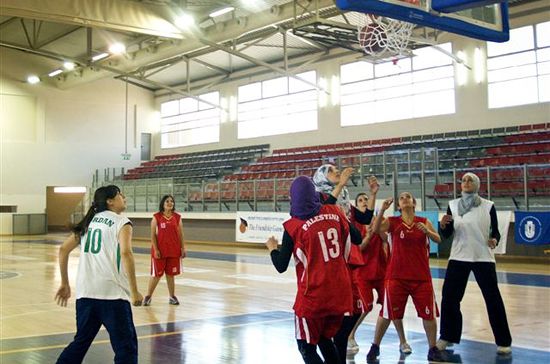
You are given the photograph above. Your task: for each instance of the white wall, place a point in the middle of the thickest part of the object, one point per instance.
(471, 113)
(52, 137)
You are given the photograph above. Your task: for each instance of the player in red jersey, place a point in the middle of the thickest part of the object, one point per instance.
(319, 237)
(370, 277)
(167, 248)
(408, 272)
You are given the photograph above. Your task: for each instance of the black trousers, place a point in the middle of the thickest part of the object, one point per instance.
(116, 316)
(454, 286)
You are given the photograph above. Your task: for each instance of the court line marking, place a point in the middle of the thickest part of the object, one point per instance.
(41, 348)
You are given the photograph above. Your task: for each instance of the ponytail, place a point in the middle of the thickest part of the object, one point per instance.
(101, 195)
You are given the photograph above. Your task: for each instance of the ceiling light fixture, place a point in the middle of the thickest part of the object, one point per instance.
(184, 21)
(97, 57)
(55, 72)
(117, 48)
(69, 66)
(33, 79)
(221, 11)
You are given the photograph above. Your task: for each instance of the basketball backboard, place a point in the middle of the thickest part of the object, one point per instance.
(485, 20)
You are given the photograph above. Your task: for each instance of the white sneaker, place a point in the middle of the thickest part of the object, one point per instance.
(353, 347)
(442, 344)
(405, 348)
(504, 350)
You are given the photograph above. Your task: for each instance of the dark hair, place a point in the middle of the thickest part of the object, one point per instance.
(101, 195)
(359, 195)
(163, 200)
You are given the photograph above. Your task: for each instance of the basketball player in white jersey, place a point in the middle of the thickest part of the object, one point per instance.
(106, 279)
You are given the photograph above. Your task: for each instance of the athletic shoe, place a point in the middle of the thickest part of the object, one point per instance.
(374, 353)
(174, 301)
(353, 347)
(146, 301)
(436, 355)
(405, 348)
(442, 344)
(504, 350)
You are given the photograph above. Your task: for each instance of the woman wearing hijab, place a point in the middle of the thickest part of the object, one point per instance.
(473, 220)
(318, 236)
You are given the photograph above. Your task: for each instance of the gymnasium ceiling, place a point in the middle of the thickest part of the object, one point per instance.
(258, 36)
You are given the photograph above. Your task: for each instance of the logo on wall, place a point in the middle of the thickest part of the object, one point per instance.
(530, 228)
(243, 226)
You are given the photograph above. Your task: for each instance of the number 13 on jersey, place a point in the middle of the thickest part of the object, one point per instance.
(332, 251)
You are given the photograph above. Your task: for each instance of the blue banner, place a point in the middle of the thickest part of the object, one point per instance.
(532, 228)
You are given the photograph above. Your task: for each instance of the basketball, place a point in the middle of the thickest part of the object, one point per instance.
(372, 38)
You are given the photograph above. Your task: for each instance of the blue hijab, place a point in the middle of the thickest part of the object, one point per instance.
(304, 200)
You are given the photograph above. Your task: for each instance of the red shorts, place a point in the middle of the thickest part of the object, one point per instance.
(312, 329)
(170, 266)
(366, 287)
(397, 292)
(359, 298)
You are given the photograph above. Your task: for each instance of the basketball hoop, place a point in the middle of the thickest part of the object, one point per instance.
(383, 37)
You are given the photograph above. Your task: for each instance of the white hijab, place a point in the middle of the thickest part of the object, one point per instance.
(469, 200)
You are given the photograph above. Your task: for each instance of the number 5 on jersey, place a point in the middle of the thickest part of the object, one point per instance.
(334, 250)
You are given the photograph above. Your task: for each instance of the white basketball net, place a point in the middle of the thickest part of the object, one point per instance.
(382, 37)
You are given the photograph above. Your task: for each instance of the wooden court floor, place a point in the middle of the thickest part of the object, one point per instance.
(235, 308)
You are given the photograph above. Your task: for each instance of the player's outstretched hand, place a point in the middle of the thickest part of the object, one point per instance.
(345, 175)
(272, 243)
(62, 295)
(387, 203)
(446, 219)
(374, 186)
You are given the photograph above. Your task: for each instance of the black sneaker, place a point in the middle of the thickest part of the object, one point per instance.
(373, 354)
(173, 301)
(436, 355)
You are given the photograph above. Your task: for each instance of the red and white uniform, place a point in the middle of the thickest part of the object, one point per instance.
(371, 276)
(169, 244)
(408, 272)
(321, 249)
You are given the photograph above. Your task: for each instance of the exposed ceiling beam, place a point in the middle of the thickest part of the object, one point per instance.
(58, 36)
(259, 62)
(166, 51)
(125, 15)
(110, 69)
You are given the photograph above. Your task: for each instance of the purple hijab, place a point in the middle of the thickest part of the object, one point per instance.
(304, 200)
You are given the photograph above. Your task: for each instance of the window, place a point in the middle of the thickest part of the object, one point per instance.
(278, 106)
(188, 121)
(419, 86)
(523, 63)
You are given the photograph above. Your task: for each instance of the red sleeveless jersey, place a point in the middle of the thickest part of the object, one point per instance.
(168, 236)
(321, 248)
(410, 251)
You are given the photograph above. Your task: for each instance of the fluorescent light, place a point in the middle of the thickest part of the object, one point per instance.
(32, 79)
(69, 189)
(461, 71)
(55, 72)
(69, 66)
(117, 48)
(479, 65)
(97, 57)
(185, 21)
(221, 11)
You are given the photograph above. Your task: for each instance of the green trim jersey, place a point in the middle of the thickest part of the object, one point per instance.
(100, 272)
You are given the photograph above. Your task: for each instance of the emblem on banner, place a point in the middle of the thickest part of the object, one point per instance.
(530, 228)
